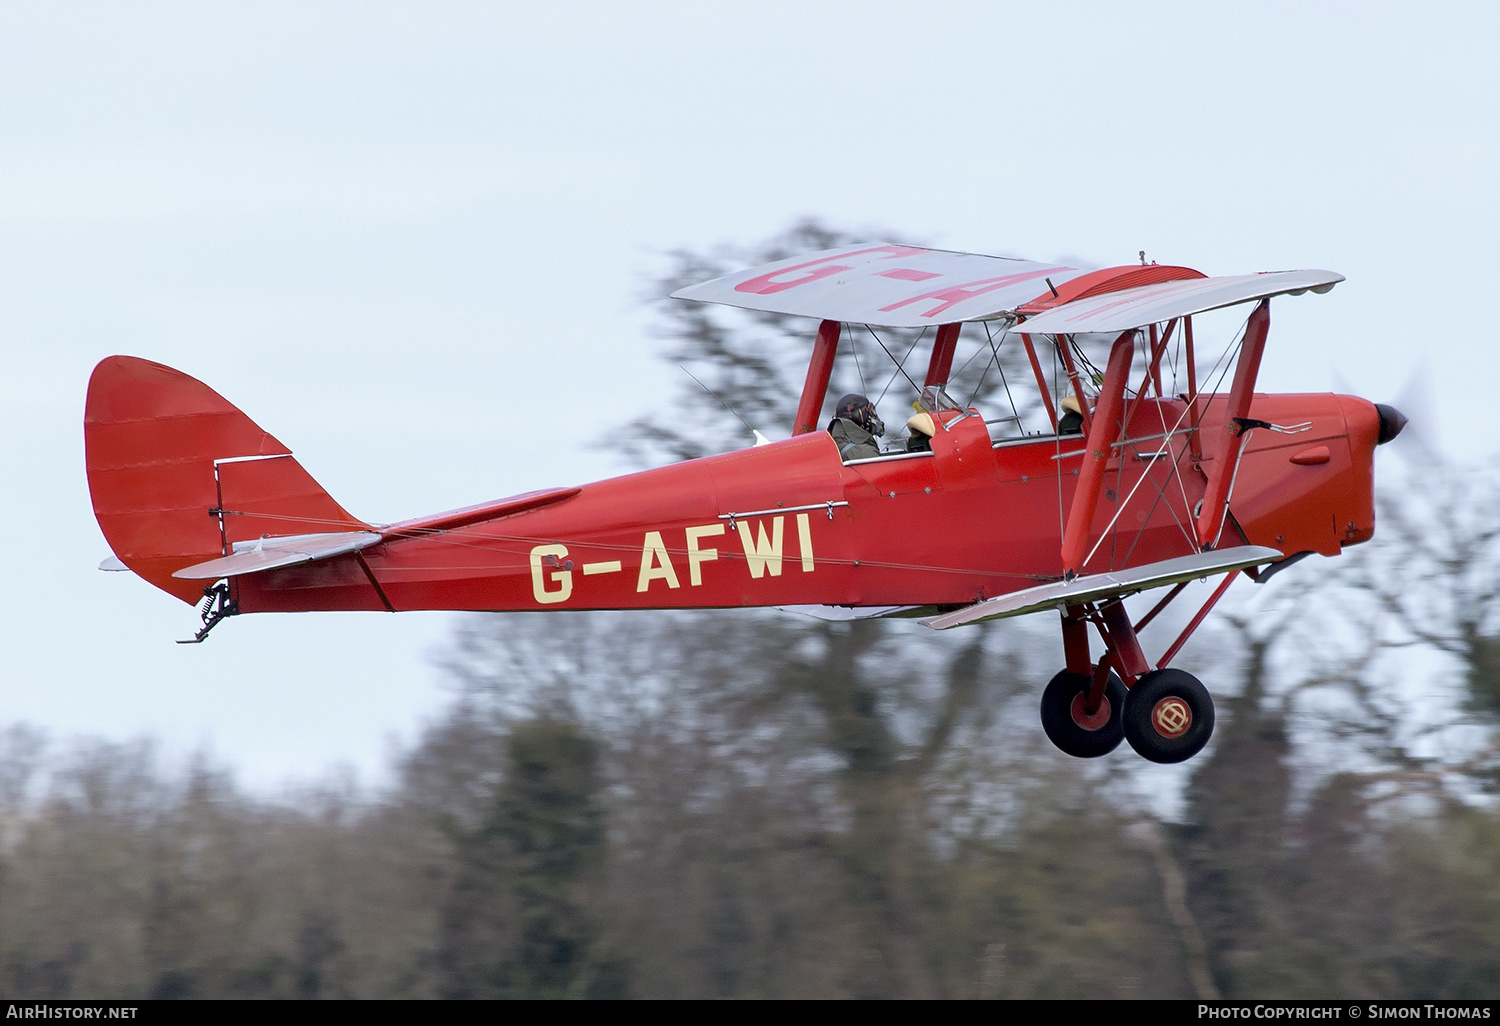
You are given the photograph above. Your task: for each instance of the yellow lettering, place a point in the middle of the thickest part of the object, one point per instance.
(563, 578)
(759, 555)
(652, 553)
(696, 556)
(804, 541)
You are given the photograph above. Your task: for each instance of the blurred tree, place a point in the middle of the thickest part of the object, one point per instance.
(1426, 590)
(1233, 843)
(519, 922)
(1439, 573)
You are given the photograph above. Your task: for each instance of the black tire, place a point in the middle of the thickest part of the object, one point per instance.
(1061, 718)
(1169, 716)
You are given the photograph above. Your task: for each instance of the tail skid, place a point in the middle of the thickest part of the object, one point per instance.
(218, 605)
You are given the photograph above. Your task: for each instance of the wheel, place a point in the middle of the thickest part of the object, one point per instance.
(1070, 728)
(1169, 716)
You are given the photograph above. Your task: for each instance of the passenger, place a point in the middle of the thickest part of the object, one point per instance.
(1072, 418)
(855, 426)
(920, 428)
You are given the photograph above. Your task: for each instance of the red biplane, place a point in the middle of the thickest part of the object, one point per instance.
(1164, 481)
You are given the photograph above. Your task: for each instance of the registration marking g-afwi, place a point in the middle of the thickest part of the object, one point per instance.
(763, 547)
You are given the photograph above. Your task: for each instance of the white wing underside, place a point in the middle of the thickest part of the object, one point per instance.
(889, 285)
(1116, 583)
(843, 614)
(1153, 304)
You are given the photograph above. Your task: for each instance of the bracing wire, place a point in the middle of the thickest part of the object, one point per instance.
(864, 388)
(1095, 375)
(965, 365)
(986, 373)
(900, 364)
(995, 348)
(1221, 367)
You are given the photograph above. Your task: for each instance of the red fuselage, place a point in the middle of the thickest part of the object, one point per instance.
(788, 524)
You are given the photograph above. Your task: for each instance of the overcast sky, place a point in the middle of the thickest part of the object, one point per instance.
(404, 236)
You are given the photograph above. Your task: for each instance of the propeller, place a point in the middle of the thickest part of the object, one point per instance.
(1409, 425)
(1418, 442)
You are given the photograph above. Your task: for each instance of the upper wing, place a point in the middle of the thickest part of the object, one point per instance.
(886, 285)
(1151, 304)
(889, 285)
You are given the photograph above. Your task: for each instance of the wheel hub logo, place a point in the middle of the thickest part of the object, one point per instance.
(1171, 717)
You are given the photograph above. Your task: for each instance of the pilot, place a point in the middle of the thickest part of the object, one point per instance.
(1072, 418)
(855, 426)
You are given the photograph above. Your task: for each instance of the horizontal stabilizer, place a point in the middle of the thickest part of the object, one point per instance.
(270, 553)
(1115, 583)
(1151, 304)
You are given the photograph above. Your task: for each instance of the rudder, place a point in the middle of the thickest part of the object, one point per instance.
(177, 474)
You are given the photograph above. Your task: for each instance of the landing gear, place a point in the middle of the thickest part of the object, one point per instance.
(1169, 716)
(217, 606)
(1166, 715)
(1067, 722)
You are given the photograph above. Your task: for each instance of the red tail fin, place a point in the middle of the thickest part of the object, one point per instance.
(178, 474)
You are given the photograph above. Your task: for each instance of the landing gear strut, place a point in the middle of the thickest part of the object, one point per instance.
(1166, 714)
